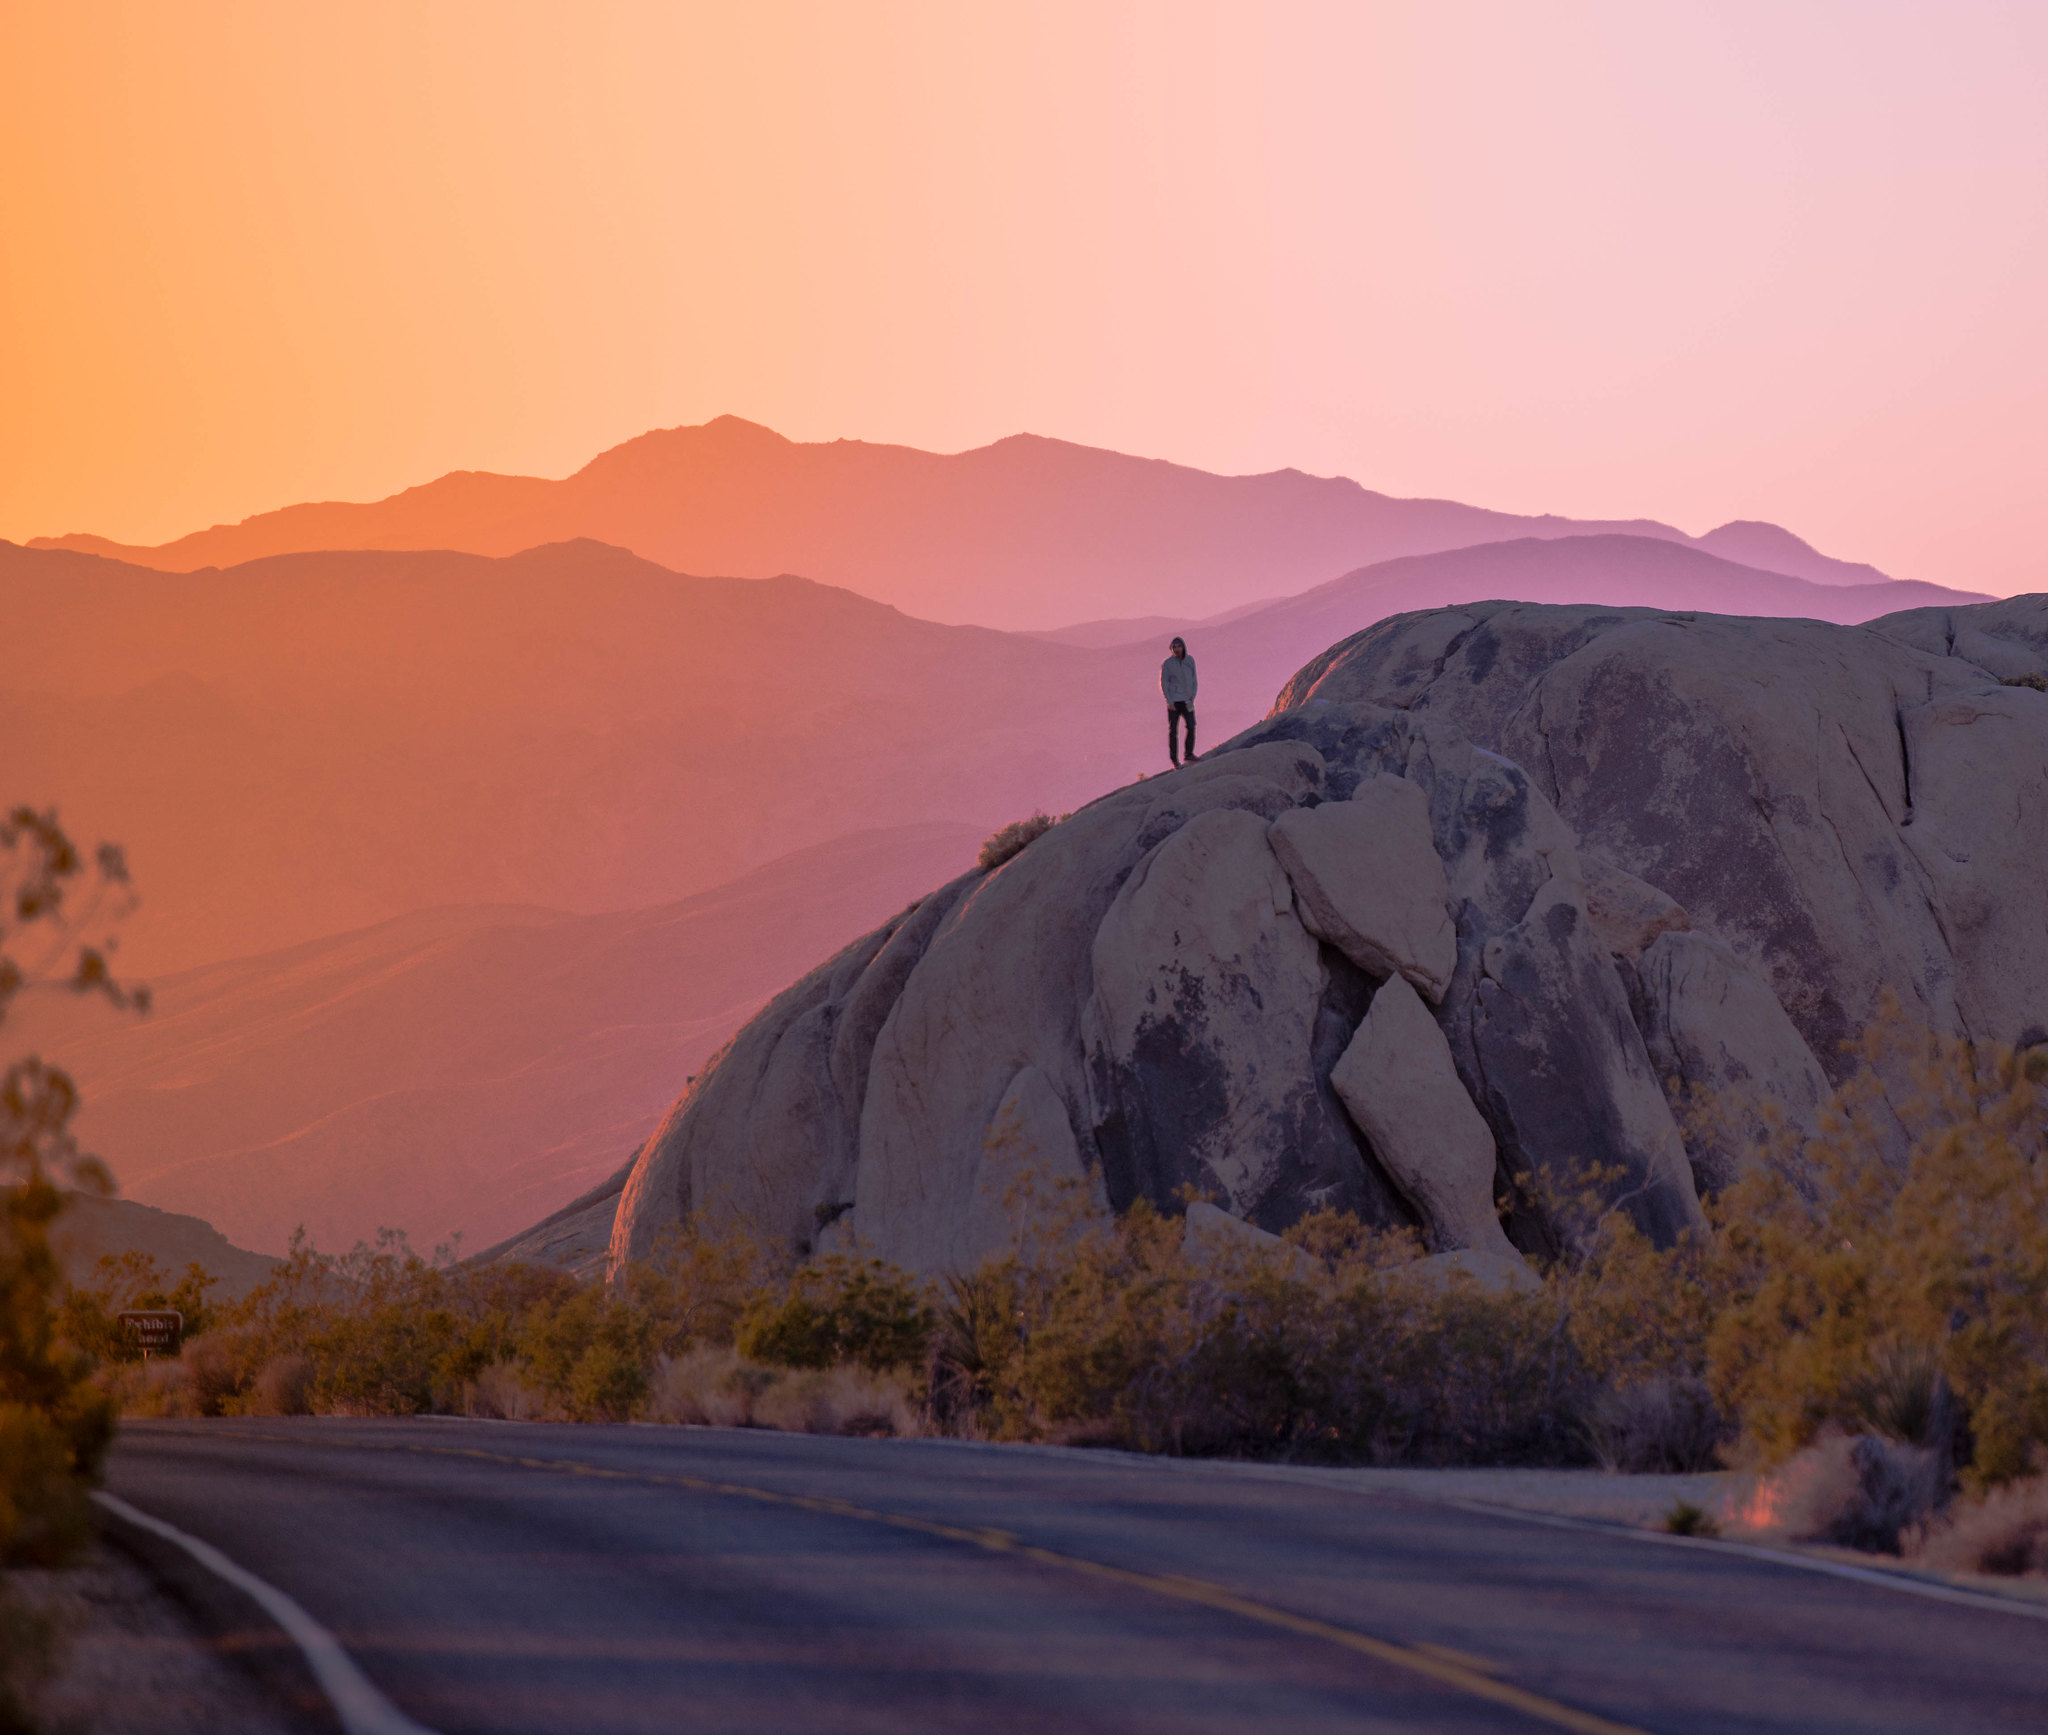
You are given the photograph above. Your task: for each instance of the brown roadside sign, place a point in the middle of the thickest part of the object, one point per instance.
(154, 1328)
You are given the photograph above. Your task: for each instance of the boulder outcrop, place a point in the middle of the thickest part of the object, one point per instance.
(1801, 790)
(1496, 892)
(1367, 879)
(1398, 1080)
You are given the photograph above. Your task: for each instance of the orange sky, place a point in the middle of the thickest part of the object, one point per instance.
(1698, 261)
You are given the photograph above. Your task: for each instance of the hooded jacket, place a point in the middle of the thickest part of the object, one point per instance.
(1177, 679)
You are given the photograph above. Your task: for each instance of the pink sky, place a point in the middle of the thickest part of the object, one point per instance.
(1781, 260)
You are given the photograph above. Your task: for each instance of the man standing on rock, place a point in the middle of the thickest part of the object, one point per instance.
(1177, 682)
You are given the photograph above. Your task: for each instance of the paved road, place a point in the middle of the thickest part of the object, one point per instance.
(497, 1577)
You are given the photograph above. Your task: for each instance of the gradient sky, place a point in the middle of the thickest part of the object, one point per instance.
(1784, 259)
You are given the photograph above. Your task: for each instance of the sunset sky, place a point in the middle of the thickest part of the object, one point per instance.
(1784, 259)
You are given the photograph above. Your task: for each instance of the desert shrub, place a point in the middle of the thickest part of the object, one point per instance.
(1888, 1276)
(840, 1309)
(376, 1331)
(697, 1283)
(2005, 1532)
(89, 1314)
(1902, 1289)
(588, 1350)
(607, 1383)
(701, 1387)
(382, 1331)
(283, 1387)
(1121, 1338)
(57, 909)
(1689, 1518)
(1856, 1491)
(2034, 679)
(501, 1392)
(1664, 1423)
(55, 1425)
(1903, 1394)
(844, 1399)
(1012, 838)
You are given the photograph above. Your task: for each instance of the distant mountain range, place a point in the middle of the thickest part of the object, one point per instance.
(1028, 533)
(1615, 571)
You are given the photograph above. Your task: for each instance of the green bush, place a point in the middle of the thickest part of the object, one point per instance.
(1012, 838)
(839, 1309)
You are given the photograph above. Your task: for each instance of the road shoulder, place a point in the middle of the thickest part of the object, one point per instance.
(135, 1661)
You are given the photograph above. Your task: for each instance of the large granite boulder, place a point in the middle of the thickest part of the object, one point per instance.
(1494, 900)
(1820, 798)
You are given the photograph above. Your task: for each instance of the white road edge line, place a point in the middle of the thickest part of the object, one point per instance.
(362, 1709)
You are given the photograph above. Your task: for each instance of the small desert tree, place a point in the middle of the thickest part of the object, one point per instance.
(57, 913)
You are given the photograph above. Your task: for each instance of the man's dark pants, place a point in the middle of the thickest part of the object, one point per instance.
(1174, 713)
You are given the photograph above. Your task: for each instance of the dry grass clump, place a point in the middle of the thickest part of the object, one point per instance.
(1012, 838)
(720, 1388)
(283, 1387)
(2005, 1533)
(502, 1393)
(1660, 1424)
(1855, 1491)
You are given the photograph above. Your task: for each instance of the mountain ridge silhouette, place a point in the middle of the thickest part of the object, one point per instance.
(1027, 533)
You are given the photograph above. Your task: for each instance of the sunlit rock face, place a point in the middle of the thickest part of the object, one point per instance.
(1495, 892)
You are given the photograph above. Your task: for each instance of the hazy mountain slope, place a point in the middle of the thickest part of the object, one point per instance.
(1025, 533)
(92, 1229)
(1749, 543)
(320, 742)
(1615, 571)
(1244, 660)
(458, 1070)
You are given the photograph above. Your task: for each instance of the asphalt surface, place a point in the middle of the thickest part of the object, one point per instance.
(501, 1577)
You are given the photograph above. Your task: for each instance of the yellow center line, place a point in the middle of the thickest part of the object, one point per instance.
(1435, 1663)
